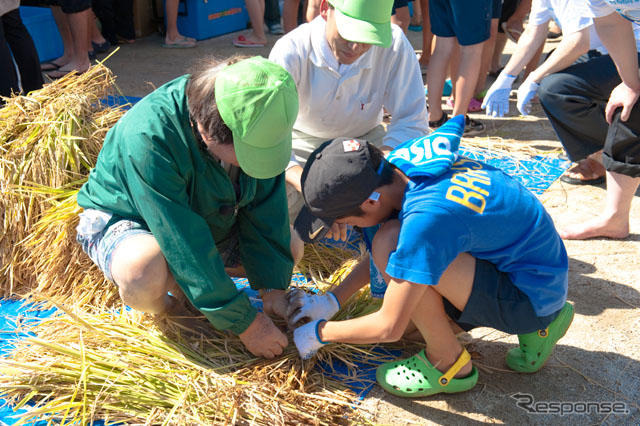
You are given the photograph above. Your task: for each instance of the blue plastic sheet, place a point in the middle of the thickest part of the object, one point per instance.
(536, 174)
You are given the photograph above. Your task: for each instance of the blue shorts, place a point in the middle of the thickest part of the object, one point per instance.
(467, 20)
(497, 303)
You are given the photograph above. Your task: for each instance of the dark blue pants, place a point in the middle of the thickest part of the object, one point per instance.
(14, 38)
(574, 100)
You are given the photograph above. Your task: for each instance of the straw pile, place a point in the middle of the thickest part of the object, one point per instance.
(49, 140)
(83, 366)
(89, 362)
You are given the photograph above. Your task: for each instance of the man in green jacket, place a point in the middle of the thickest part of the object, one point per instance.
(189, 187)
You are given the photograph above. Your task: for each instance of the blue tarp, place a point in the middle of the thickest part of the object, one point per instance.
(536, 174)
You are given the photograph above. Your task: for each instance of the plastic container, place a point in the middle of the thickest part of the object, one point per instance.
(203, 19)
(44, 31)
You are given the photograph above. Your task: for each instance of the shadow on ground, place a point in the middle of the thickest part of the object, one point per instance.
(564, 380)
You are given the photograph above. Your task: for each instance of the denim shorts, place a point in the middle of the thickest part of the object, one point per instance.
(497, 303)
(99, 233)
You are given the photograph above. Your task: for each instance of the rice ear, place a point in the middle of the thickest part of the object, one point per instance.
(49, 140)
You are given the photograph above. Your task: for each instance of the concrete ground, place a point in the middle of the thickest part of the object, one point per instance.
(597, 361)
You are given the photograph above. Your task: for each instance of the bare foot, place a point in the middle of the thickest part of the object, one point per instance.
(586, 169)
(179, 42)
(597, 227)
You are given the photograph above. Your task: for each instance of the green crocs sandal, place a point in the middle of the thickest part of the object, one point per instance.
(416, 376)
(535, 347)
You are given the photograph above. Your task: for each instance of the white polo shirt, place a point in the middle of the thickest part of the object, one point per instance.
(572, 16)
(347, 100)
(629, 9)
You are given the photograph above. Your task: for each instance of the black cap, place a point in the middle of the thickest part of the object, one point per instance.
(338, 177)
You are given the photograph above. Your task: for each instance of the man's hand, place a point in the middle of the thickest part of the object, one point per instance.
(274, 302)
(263, 338)
(496, 101)
(310, 307)
(621, 96)
(526, 92)
(337, 232)
(306, 339)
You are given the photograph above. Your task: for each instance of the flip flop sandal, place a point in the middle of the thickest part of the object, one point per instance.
(101, 47)
(56, 74)
(577, 181)
(180, 43)
(451, 103)
(552, 35)
(512, 34)
(474, 105)
(242, 41)
(495, 73)
(49, 66)
(535, 347)
(416, 377)
(437, 123)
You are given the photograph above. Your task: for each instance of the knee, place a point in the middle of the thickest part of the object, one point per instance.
(552, 89)
(385, 242)
(140, 270)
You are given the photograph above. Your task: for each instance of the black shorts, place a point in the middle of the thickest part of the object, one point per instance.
(397, 4)
(496, 9)
(71, 6)
(497, 303)
(507, 10)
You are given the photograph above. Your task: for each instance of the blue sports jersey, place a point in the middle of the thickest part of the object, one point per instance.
(476, 208)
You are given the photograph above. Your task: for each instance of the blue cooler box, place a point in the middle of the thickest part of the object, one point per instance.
(202, 19)
(44, 31)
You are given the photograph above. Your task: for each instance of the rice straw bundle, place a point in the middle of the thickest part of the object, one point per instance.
(64, 271)
(48, 140)
(84, 366)
(322, 260)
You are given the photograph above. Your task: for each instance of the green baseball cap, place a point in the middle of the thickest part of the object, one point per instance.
(364, 21)
(258, 101)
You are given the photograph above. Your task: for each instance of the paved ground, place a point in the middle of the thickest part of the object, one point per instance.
(598, 360)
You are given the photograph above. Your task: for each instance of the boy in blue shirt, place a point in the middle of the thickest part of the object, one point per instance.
(458, 239)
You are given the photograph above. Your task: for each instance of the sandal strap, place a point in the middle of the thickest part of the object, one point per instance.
(462, 360)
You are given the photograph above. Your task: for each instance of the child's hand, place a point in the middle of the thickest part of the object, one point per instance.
(307, 340)
(310, 307)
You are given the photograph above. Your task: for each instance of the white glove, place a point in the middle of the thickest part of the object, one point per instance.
(496, 101)
(307, 340)
(526, 92)
(303, 305)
